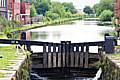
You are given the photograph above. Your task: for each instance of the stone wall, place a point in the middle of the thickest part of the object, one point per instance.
(110, 68)
(23, 72)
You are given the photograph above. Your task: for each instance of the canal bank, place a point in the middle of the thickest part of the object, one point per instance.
(14, 63)
(110, 65)
(44, 24)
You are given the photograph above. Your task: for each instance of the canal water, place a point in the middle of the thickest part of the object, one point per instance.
(80, 31)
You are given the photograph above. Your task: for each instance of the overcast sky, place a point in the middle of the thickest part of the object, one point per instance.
(80, 4)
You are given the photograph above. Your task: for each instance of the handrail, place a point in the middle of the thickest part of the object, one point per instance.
(19, 47)
(40, 43)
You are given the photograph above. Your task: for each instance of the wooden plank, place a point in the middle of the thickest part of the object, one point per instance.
(72, 59)
(86, 65)
(76, 59)
(63, 59)
(37, 66)
(59, 56)
(63, 53)
(67, 59)
(59, 60)
(71, 56)
(49, 60)
(49, 56)
(94, 55)
(81, 59)
(44, 57)
(54, 55)
(54, 59)
(68, 44)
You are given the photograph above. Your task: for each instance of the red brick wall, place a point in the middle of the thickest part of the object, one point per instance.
(25, 9)
(117, 10)
(16, 10)
(14, 7)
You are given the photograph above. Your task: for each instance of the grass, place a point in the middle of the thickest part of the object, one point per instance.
(115, 55)
(2, 36)
(7, 53)
(2, 75)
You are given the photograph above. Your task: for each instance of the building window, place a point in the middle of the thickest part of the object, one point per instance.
(10, 5)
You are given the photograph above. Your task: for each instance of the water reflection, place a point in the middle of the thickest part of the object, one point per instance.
(81, 31)
(42, 35)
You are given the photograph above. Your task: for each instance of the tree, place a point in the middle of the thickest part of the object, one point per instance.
(96, 9)
(33, 11)
(88, 10)
(103, 5)
(42, 6)
(57, 7)
(106, 15)
(68, 14)
(52, 15)
(69, 7)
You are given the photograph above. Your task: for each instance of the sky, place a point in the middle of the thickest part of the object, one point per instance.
(80, 4)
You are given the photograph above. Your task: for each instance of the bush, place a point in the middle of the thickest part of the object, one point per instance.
(68, 14)
(47, 19)
(106, 15)
(51, 15)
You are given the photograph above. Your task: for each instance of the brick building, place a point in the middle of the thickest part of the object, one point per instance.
(25, 12)
(10, 9)
(3, 8)
(117, 11)
(15, 10)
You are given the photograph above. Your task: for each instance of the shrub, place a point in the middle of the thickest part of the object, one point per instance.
(106, 15)
(51, 15)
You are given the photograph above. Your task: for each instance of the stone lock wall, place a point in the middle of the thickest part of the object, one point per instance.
(110, 70)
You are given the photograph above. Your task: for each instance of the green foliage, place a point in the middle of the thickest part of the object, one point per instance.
(103, 5)
(106, 15)
(8, 53)
(42, 6)
(69, 7)
(33, 11)
(88, 10)
(6, 25)
(57, 7)
(54, 10)
(68, 14)
(47, 19)
(52, 15)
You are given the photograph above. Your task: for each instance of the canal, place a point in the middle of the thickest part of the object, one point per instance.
(80, 31)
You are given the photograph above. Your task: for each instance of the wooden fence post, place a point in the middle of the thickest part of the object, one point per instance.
(49, 56)
(86, 65)
(59, 55)
(82, 57)
(44, 56)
